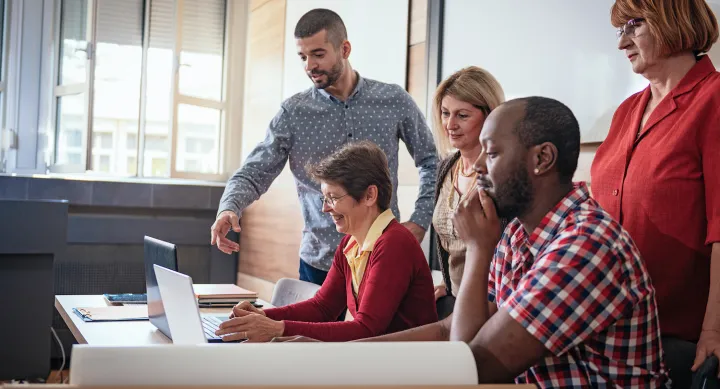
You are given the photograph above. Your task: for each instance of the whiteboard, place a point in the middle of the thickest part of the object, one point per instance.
(562, 49)
(715, 51)
(377, 31)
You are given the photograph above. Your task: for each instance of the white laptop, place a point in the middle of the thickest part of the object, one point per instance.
(187, 325)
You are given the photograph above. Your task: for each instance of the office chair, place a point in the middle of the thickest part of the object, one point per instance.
(290, 291)
(706, 376)
(32, 234)
(679, 357)
(444, 306)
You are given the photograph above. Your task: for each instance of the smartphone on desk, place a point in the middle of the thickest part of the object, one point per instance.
(126, 298)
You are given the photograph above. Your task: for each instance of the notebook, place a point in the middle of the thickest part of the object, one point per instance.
(222, 292)
(112, 313)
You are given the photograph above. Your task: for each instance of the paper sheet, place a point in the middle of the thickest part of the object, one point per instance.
(112, 313)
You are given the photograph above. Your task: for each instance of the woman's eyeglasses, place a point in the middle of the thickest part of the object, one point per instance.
(629, 28)
(331, 201)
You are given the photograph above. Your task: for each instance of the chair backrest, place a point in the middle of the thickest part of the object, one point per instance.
(706, 376)
(445, 306)
(290, 291)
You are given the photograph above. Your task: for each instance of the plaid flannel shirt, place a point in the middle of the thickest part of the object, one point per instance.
(578, 285)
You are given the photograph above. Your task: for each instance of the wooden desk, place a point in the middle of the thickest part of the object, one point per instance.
(114, 333)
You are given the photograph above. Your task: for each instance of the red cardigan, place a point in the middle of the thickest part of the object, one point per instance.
(396, 293)
(664, 188)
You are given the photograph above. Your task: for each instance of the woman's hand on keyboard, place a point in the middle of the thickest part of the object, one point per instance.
(252, 326)
(245, 308)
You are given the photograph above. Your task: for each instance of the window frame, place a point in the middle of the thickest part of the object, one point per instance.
(60, 91)
(177, 98)
(4, 55)
(4, 32)
(180, 99)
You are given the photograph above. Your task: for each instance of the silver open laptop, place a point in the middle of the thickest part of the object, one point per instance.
(187, 325)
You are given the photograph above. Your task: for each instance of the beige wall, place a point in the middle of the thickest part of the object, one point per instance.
(270, 236)
(272, 227)
(587, 153)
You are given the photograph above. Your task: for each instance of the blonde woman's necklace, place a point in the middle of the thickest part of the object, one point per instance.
(462, 169)
(456, 181)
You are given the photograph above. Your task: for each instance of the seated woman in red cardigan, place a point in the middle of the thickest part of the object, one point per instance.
(379, 272)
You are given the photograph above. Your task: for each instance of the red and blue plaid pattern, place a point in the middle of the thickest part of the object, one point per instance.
(578, 284)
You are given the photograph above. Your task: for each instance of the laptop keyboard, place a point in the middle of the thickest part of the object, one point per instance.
(210, 325)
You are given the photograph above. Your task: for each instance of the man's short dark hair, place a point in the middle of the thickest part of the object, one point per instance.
(548, 120)
(355, 167)
(320, 19)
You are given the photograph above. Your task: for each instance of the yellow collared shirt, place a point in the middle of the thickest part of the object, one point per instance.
(357, 258)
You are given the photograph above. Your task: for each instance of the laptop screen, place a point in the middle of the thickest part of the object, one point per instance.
(158, 252)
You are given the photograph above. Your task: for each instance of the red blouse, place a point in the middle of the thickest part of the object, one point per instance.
(664, 188)
(396, 293)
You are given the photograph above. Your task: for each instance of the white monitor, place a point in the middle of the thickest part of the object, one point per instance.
(308, 364)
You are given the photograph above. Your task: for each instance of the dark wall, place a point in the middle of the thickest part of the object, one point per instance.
(106, 225)
(108, 220)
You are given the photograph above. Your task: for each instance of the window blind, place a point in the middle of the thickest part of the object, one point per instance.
(162, 24)
(120, 22)
(203, 26)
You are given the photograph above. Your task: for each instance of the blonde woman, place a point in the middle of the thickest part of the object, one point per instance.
(460, 106)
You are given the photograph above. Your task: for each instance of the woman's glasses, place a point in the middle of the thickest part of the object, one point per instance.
(629, 28)
(331, 201)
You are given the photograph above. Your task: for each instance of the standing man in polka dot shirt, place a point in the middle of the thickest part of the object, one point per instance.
(341, 107)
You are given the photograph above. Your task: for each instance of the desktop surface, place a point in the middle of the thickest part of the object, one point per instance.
(115, 333)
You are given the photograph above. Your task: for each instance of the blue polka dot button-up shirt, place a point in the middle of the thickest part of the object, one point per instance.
(310, 126)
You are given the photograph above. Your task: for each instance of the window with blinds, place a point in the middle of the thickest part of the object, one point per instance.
(183, 36)
(202, 46)
(117, 79)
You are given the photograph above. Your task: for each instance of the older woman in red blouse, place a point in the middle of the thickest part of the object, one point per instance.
(658, 171)
(379, 272)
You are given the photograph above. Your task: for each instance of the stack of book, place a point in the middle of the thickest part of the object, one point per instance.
(222, 295)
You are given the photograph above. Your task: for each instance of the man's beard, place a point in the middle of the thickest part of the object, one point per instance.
(332, 76)
(514, 196)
